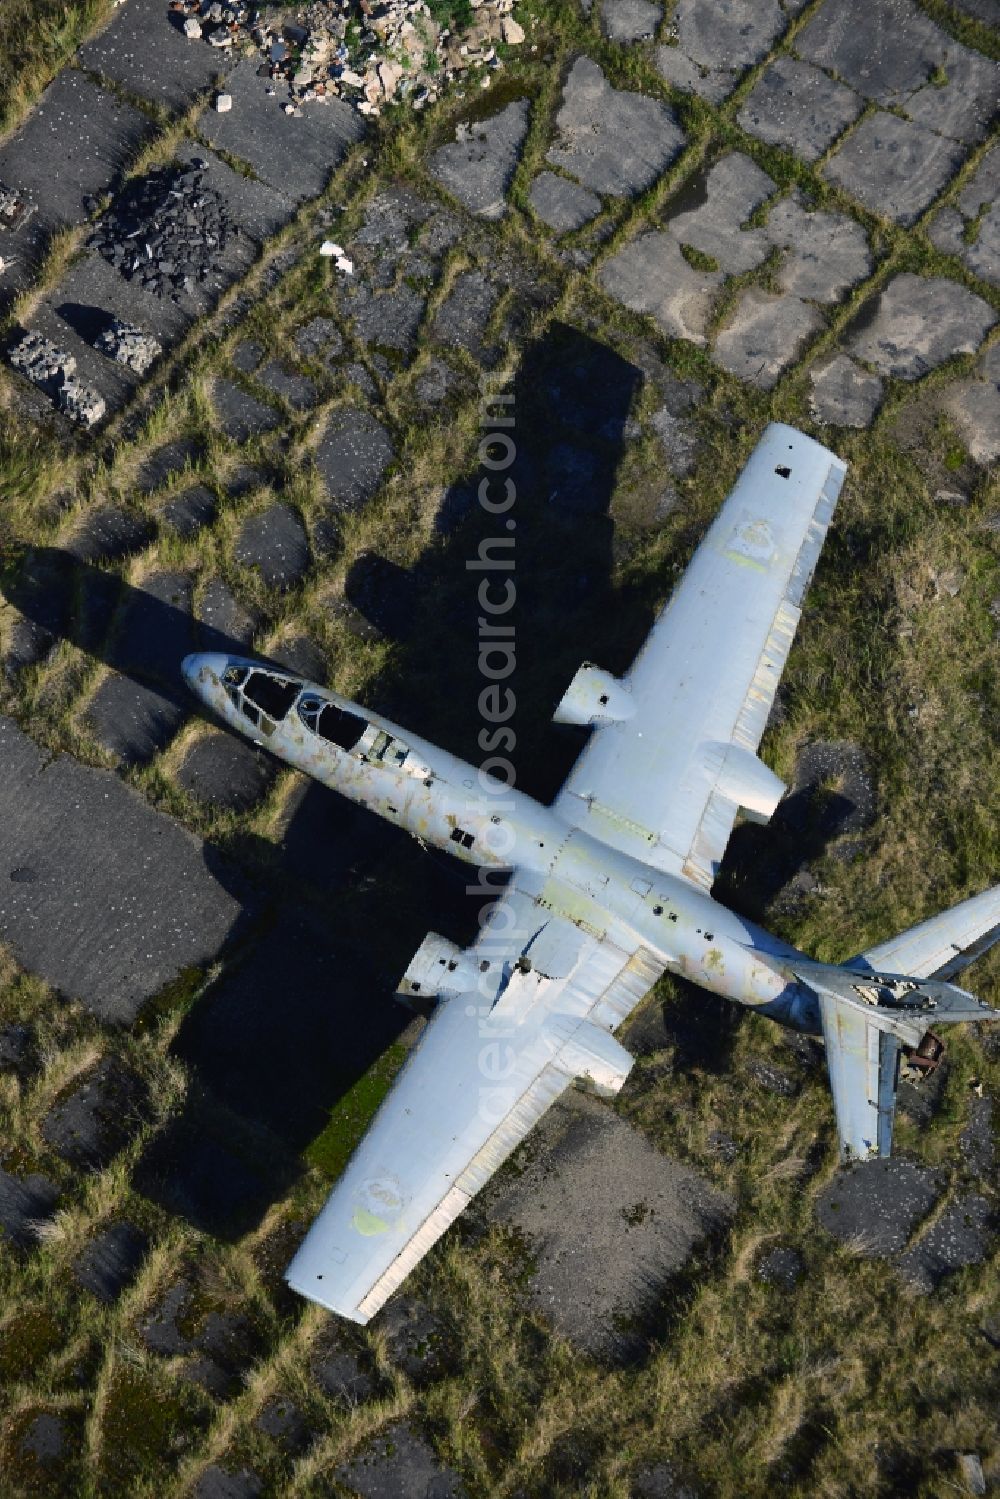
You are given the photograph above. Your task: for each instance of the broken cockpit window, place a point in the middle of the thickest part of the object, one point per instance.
(330, 722)
(260, 696)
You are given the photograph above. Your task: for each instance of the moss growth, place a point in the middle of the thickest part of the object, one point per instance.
(330, 1151)
(26, 1342)
(144, 1425)
(698, 260)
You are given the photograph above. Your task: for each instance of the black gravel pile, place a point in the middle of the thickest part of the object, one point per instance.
(169, 231)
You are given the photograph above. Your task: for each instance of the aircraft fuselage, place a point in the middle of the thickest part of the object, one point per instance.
(449, 804)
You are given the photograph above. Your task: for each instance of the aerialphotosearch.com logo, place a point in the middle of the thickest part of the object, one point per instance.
(496, 596)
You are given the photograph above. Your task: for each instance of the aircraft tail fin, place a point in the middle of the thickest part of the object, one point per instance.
(872, 1018)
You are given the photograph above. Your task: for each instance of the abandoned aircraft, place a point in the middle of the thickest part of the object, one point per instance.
(608, 888)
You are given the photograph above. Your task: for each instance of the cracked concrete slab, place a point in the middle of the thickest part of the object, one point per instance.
(825, 253)
(170, 71)
(917, 323)
(799, 107)
(120, 897)
(561, 204)
(630, 20)
(764, 335)
(727, 195)
(612, 141)
(893, 53)
(477, 166)
(73, 146)
(974, 407)
(843, 394)
(294, 154)
(970, 227)
(894, 167)
(651, 275)
(876, 1205)
(716, 41)
(609, 1219)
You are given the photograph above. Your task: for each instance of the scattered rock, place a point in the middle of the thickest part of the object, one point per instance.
(875, 1205)
(476, 168)
(275, 542)
(843, 394)
(918, 323)
(128, 345)
(223, 103)
(168, 231)
(111, 1261)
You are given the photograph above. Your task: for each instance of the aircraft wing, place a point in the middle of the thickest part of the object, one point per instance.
(673, 755)
(503, 1043)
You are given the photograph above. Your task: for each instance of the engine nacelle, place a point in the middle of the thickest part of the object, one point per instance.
(743, 779)
(594, 697)
(437, 966)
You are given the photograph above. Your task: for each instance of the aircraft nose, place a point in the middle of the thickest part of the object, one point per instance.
(203, 672)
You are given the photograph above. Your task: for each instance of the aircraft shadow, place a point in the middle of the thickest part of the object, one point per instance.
(330, 920)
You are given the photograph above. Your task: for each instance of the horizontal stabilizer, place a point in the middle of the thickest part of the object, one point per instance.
(942, 946)
(868, 1018)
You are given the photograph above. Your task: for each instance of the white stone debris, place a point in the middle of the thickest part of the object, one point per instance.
(14, 209)
(368, 52)
(335, 252)
(54, 372)
(223, 103)
(128, 345)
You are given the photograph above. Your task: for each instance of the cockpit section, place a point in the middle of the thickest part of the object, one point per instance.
(262, 697)
(349, 731)
(331, 723)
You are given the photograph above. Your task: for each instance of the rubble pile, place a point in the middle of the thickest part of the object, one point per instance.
(128, 345)
(367, 52)
(54, 372)
(14, 208)
(168, 231)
